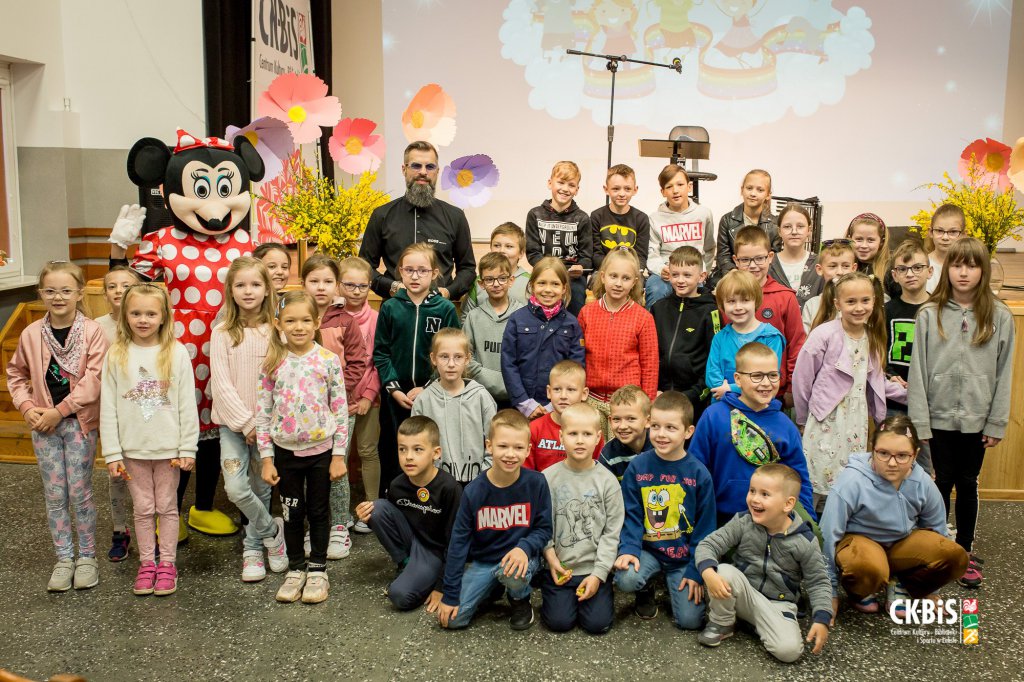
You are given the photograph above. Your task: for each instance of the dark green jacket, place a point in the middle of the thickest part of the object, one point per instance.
(401, 349)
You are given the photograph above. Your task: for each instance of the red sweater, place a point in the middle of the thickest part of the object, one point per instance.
(622, 347)
(780, 309)
(546, 447)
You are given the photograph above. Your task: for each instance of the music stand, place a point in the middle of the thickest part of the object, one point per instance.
(689, 142)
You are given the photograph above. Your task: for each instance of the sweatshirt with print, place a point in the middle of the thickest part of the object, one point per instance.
(693, 226)
(405, 330)
(564, 235)
(485, 329)
(463, 420)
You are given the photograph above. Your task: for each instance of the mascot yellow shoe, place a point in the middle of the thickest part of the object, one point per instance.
(182, 531)
(211, 522)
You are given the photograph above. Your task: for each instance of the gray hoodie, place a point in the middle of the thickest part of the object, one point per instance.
(776, 564)
(463, 420)
(485, 329)
(693, 226)
(954, 385)
(864, 503)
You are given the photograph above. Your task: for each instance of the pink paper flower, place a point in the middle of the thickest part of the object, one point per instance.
(469, 180)
(272, 140)
(267, 227)
(993, 159)
(1016, 171)
(353, 148)
(301, 101)
(430, 116)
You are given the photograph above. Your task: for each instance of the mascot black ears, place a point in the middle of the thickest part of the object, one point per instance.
(205, 180)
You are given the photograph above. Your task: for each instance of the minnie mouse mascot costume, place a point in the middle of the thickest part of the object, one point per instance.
(206, 188)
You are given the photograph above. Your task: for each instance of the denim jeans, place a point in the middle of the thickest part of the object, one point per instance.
(685, 613)
(421, 567)
(246, 488)
(479, 579)
(655, 289)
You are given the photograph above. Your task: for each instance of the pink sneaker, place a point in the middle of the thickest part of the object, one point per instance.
(166, 579)
(145, 579)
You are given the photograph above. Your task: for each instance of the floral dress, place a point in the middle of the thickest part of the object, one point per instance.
(828, 443)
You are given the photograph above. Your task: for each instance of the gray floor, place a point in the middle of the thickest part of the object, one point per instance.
(216, 628)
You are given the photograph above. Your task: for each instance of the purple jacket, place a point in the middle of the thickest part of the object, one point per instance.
(824, 376)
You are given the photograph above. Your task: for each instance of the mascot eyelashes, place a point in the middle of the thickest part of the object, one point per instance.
(206, 188)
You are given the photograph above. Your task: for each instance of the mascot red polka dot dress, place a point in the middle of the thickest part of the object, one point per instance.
(206, 184)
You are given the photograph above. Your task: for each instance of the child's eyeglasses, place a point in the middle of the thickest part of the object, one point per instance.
(417, 166)
(55, 293)
(836, 242)
(901, 457)
(917, 268)
(954, 234)
(491, 281)
(416, 272)
(352, 286)
(759, 377)
(756, 260)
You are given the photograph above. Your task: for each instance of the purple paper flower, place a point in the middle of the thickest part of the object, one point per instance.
(273, 142)
(469, 180)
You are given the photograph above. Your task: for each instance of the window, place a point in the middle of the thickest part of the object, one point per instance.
(10, 231)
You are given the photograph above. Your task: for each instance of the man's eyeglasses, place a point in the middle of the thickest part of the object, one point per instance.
(900, 457)
(491, 281)
(54, 293)
(416, 272)
(916, 268)
(756, 260)
(352, 286)
(758, 377)
(417, 166)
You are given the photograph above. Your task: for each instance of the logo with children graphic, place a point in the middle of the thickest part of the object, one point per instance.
(943, 621)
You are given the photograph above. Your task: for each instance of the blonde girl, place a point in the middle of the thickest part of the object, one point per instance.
(302, 435)
(54, 381)
(839, 382)
(238, 348)
(870, 243)
(960, 377)
(149, 426)
(619, 335)
(538, 336)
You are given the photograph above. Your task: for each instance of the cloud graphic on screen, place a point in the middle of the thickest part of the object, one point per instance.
(795, 62)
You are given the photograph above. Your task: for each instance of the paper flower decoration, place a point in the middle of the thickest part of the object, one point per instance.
(268, 229)
(353, 148)
(1016, 172)
(430, 116)
(272, 140)
(993, 159)
(301, 101)
(469, 180)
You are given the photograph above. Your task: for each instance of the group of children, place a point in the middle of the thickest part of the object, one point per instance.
(540, 439)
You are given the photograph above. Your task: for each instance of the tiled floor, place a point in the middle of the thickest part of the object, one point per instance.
(216, 628)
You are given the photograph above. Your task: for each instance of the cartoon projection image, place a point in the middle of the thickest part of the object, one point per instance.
(664, 515)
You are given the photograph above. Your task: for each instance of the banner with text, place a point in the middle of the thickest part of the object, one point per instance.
(282, 42)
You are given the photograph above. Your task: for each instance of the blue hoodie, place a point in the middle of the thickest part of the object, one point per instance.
(726, 343)
(864, 503)
(730, 472)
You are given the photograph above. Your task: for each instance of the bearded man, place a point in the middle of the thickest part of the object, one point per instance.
(419, 216)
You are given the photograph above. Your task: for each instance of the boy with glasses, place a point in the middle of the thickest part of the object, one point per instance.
(911, 270)
(760, 434)
(485, 325)
(509, 240)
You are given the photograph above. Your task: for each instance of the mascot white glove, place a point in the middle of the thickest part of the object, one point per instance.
(127, 226)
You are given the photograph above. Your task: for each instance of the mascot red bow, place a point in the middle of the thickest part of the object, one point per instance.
(206, 188)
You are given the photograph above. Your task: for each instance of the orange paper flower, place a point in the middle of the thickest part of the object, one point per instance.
(1016, 171)
(301, 101)
(993, 158)
(430, 116)
(353, 148)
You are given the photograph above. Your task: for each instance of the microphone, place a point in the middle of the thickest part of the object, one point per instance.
(677, 64)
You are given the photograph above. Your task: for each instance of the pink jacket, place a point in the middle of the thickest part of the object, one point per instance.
(824, 376)
(26, 375)
(369, 385)
(341, 335)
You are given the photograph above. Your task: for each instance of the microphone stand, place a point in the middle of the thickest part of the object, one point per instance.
(613, 66)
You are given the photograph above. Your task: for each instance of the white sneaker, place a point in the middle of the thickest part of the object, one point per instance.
(291, 590)
(306, 547)
(277, 556)
(252, 566)
(361, 527)
(340, 543)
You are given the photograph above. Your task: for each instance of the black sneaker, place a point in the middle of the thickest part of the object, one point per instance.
(522, 613)
(645, 605)
(119, 545)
